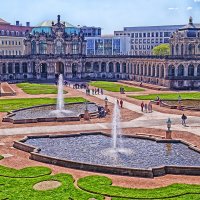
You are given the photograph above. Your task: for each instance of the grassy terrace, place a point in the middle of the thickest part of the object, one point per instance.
(114, 87)
(7, 105)
(35, 89)
(172, 96)
(18, 184)
(103, 185)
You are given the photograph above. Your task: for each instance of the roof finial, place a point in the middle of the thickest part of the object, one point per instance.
(58, 19)
(190, 20)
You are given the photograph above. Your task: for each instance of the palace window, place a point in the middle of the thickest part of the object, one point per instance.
(42, 47)
(180, 70)
(59, 47)
(33, 47)
(75, 48)
(191, 70)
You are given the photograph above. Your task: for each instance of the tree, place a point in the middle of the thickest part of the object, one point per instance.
(161, 50)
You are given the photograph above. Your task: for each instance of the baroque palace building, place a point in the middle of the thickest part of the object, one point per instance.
(54, 48)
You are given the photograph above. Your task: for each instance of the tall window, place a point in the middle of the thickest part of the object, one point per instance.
(118, 67)
(24, 68)
(191, 70)
(198, 70)
(59, 47)
(17, 69)
(74, 48)
(171, 70)
(180, 70)
(33, 47)
(43, 47)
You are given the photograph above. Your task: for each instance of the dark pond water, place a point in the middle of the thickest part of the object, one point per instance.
(73, 110)
(93, 149)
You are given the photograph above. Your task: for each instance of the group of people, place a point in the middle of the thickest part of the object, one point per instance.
(101, 112)
(146, 107)
(122, 90)
(94, 91)
(120, 103)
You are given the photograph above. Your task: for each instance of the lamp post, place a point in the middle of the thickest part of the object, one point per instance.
(86, 114)
(168, 134)
(106, 104)
(179, 102)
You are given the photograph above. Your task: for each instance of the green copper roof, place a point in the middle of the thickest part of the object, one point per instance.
(49, 24)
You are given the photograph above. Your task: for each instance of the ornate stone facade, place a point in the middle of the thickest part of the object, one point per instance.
(56, 55)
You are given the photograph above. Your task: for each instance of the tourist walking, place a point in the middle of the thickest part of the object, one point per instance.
(150, 107)
(145, 107)
(142, 106)
(121, 103)
(117, 102)
(101, 91)
(92, 91)
(184, 117)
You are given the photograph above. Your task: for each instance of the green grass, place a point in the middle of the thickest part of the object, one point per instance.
(172, 96)
(103, 185)
(1, 157)
(113, 87)
(18, 184)
(8, 105)
(20, 187)
(35, 89)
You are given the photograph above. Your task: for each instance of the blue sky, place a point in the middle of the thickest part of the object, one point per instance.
(109, 14)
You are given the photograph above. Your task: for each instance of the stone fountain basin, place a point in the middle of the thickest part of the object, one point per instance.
(45, 113)
(150, 156)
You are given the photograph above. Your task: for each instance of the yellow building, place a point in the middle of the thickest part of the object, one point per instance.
(12, 38)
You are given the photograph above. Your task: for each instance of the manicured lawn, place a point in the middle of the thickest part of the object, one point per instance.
(103, 185)
(18, 184)
(33, 88)
(7, 105)
(174, 96)
(113, 87)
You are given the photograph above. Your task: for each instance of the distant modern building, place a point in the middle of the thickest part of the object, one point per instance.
(107, 45)
(12, 37)
(91, 31)
(144, 39)
(57, 47)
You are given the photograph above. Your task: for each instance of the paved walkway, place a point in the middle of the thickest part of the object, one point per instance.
(147, 120)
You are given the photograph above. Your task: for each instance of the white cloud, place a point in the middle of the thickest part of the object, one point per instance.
(172, 8)
(196, 0)
(189, 8)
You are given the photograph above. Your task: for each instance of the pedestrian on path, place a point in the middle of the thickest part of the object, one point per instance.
(121, 103)
(184, 117)
(145, 107)
(117, 102)
(150, 107)
(142, 106)
(101, 91)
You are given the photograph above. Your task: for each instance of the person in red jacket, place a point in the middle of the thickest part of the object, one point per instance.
(121, 103)
(142, 106)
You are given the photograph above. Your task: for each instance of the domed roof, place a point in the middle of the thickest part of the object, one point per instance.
(48, 23)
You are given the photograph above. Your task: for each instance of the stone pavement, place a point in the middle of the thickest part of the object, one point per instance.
(155, 120)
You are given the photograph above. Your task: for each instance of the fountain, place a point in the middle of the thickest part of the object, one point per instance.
(130, 155)
(117, 146)
(49, 113)
(116, 129)
(60, 106)
(60, 98)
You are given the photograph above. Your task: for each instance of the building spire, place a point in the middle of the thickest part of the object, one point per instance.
(58, 19)
(190, 20)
